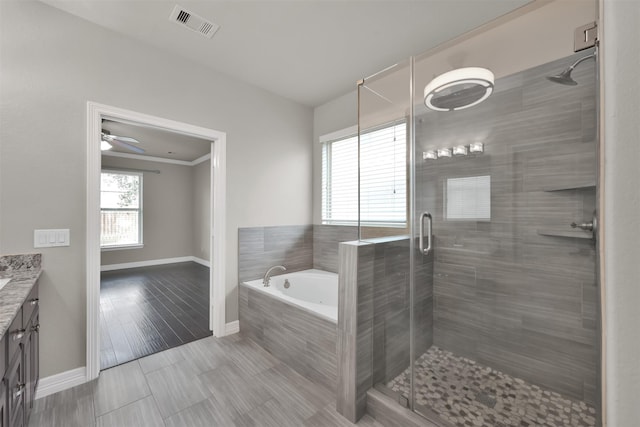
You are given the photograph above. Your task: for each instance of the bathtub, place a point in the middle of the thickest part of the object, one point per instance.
(298, 324)
(314, 291)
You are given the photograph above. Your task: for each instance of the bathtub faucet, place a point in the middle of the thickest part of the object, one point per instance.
(267, 275)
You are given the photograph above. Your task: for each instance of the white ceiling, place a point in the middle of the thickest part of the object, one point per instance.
(309, 51)
(158, 142)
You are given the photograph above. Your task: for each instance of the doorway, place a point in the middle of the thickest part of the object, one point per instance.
(97, 114)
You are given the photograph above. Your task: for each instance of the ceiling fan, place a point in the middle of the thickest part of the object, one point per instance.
(108, 140)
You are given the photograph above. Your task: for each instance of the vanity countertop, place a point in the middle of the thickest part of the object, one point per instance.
(24, 271)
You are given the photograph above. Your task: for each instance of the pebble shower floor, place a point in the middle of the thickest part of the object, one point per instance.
(466, 393)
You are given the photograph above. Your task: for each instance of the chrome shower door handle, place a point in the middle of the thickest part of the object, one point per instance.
(427, 250)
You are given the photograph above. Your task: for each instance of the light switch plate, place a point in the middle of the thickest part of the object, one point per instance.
(51, 238)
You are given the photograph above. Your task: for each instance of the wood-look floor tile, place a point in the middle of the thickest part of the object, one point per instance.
(269, 414)
(76, 412)
(118, 387)
(161, 360)
(204, 355)
(141, 413)
(208, 413)
(236, 389)
(250, 357)
(328, 416)
(147, 310)
(176, 387)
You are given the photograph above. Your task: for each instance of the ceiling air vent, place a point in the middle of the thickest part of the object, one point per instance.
(181, 16)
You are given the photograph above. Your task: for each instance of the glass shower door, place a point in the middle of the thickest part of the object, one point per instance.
(504, 290)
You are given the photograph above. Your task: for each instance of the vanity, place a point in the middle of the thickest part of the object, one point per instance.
(19, 332)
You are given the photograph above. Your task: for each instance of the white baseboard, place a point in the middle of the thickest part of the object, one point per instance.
(62, 381)
(232, 327)
(152, 262)
(201, 261)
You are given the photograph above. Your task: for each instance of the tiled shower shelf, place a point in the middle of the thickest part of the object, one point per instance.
(577, 234)
(583, 186)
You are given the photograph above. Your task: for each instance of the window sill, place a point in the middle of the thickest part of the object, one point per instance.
(118, 248)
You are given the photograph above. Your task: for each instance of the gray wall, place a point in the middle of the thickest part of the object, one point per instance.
(505, 295)
(167, 209)
(201, 174)
(49, 69)
(621, 62)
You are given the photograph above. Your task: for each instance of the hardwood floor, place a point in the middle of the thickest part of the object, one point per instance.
(150, 309)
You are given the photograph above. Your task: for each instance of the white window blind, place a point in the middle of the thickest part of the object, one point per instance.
(120, 209)
(468, 198)
(383, 178)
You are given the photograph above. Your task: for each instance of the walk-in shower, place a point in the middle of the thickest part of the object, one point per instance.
(485, 302)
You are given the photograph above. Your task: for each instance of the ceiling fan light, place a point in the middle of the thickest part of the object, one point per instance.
(104, 145)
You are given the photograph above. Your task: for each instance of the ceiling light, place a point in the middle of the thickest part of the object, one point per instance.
(459, 89)
(104, 145)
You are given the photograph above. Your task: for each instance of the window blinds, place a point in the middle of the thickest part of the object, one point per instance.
(383, 178)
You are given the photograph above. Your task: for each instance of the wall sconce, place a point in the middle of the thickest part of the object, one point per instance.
(430, 155)
(460, 150)
(444, 152)
(476, 147)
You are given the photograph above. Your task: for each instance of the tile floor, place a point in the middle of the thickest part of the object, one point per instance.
(210, 382)
(466, 393)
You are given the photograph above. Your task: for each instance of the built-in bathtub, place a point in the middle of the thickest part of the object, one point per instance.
(297, 324)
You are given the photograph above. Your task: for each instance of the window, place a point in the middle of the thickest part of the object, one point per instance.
(120, 209)
(383, 178)
(468, 198)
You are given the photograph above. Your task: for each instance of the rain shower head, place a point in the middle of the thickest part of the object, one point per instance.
(564, 78)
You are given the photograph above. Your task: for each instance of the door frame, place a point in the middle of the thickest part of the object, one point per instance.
(95, 113)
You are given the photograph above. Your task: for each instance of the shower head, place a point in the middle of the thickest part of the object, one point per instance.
(564, 78)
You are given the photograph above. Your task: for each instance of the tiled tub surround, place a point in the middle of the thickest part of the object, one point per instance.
(303, 340)
(465, 393)
(297, 247)
(262, 247)
(505, 295)
(326, 241)
(23, 270)
(373, 317)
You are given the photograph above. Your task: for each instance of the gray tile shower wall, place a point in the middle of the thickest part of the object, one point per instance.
(326, 239)
(304, 342)
(506, 295)
(355, 328)
(391, 307)
(373, 316)
(262, 247)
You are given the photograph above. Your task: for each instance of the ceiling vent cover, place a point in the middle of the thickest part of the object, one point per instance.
(196, 23)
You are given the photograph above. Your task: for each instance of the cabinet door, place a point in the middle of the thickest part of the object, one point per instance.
(15, 390)
(4, 422)
(31, 362)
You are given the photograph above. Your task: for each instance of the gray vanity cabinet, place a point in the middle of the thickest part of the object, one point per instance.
(21, 363)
